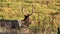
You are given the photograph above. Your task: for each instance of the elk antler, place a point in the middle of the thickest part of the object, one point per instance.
(32, 11)
(22, 10)
(27, 14)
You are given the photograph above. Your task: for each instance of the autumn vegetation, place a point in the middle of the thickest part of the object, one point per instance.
(41, 18)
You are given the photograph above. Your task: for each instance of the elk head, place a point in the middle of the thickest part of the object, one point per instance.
(26, 19)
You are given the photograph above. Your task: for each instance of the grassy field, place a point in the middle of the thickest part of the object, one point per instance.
(12, 10)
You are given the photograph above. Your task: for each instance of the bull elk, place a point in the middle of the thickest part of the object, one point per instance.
(16, 23)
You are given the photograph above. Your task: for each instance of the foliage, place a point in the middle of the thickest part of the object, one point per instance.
(11, 9)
